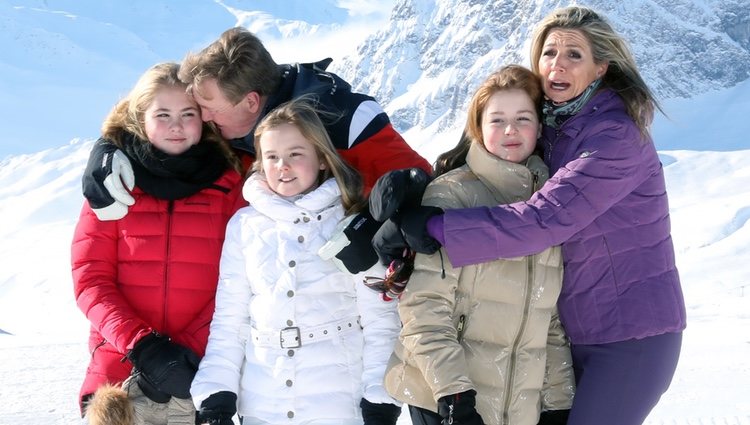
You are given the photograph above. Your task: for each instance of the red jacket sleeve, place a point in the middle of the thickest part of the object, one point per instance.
(94, 264)
(384, 151)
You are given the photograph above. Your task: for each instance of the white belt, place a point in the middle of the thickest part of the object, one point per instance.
(293, 336)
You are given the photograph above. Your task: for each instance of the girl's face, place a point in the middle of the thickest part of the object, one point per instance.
(290, 162)
(510, 125)
(567, 65)
(172, 121)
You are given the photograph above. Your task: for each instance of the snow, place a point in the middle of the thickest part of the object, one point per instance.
(43, 352)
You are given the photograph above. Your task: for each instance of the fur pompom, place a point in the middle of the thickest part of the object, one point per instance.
(110, 405)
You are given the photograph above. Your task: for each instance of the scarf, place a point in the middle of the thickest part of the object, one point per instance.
(174, 177)
(556, 114)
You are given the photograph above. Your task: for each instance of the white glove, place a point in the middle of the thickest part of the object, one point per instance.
(338, 241)
(118, 183)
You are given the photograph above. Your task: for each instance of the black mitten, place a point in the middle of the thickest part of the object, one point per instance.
(413, 224)
(150, 391)
(218, 409)
(397, 190)
(106, 181)
(389, 243)
(554, 417)
(379, 413)
(359, 255)
(168, 367)
(459, 409)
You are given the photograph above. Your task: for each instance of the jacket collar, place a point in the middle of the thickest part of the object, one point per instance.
(321, 201)
(606, 99)
(507, 180)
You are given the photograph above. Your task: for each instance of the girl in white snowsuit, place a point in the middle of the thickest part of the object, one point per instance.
(295, 340)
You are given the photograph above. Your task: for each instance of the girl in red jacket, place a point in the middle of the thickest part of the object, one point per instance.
(147, 282)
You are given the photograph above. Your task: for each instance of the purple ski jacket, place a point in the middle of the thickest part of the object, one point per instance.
(606, 204)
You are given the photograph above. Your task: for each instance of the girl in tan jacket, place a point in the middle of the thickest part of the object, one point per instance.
(482, 344)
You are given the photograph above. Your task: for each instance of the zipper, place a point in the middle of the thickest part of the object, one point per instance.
(167, 250)
(460, 327)
(103, 341)
(517, 339)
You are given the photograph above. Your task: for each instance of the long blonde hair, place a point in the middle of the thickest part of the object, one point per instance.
(607, 46)
(128, 115)
(305, 117)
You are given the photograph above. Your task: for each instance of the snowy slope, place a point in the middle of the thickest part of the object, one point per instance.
(71, 60)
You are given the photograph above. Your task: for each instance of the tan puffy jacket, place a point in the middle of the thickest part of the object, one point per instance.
(491, 327)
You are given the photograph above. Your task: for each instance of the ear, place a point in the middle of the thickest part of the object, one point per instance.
(323, 165)
(253, 102)
(602, 69)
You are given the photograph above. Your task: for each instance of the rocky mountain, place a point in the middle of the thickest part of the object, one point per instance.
(426, 63)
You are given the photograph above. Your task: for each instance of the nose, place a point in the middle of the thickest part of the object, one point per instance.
(176, 125)
(510, 128)
(557, 63)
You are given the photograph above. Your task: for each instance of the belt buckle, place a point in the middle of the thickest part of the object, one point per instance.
(290, 337)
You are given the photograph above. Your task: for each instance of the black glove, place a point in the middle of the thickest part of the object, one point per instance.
(218, 409)
(554, 417)
(413, 223)
(407, 229)
(459, 409)
(379, 413)
(389, 243)
(359, 255)
(168, 367)
(150, 391)
(397, 190)
(107, 180)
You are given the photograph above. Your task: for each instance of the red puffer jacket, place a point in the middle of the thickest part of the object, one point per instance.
(155, 269)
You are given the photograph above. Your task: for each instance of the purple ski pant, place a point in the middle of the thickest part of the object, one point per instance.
(619, 383)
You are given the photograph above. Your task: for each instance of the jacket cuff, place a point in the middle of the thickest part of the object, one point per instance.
(435, 228)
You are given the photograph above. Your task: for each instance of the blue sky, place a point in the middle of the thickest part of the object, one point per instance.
(65, 63)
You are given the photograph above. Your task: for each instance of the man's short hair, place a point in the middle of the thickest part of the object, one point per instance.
(238, 62)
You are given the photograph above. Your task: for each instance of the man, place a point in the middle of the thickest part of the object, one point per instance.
(236, 83)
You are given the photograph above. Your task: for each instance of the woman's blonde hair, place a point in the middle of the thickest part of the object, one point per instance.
(307, 119)
(508, 77)
(128, 115)
(607, 47)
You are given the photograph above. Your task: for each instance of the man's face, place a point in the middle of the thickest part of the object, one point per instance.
(233, 120)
